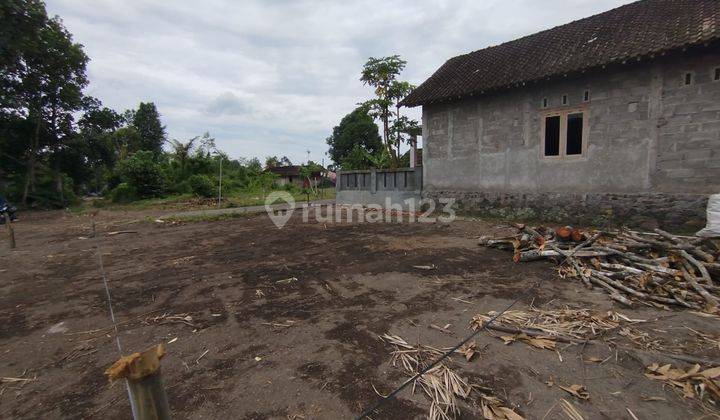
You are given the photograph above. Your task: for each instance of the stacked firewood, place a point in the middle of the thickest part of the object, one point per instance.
(655, 268)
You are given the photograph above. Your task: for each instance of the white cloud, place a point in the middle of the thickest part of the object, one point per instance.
(273, 78)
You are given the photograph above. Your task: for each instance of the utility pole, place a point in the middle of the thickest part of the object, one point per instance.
(308, 158)
(220, 156)
(220, 184)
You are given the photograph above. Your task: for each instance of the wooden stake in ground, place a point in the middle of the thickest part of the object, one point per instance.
(10, 230)
(142, 372)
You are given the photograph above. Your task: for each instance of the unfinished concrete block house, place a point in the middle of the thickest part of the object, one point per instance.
(612, 117)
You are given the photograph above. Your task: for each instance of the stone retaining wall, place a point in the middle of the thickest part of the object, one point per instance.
(668, 211)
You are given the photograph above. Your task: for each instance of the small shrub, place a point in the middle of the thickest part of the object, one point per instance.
(201, 186)
(141, 172)
(291, 188)
(123, 193)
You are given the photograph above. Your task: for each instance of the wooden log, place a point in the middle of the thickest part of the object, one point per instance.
(682, 301)
(710, 287)
(618, 285)
(701, 268)
(710, 299)
(638, 294)
(658, 244)
(589, 241)
(625, 255)
(693, 249)
(713, 269)
(659, 269)
(621, 267)
(536, 254)
(10, 231)
(614, 294)
(569, 257)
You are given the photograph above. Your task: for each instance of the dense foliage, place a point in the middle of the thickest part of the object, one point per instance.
(57, 144)
(382, 75)
(354, 140)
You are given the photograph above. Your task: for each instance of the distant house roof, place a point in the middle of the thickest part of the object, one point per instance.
(291, 170)
(634, 31)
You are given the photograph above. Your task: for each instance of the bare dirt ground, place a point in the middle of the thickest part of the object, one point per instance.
(278, 348)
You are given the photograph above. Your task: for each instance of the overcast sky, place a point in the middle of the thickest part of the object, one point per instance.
(273, 77)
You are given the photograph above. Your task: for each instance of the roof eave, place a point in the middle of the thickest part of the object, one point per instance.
(621, 61)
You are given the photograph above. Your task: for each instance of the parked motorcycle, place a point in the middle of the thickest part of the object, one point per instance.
(8, 208)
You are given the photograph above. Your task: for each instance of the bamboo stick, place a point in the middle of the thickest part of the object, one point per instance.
(142, 372)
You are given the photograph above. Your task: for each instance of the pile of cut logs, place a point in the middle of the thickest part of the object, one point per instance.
(655, 268)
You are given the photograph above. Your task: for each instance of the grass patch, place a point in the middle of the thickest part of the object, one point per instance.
(210, 217)
(189, 202)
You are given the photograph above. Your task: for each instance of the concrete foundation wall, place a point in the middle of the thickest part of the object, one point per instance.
(400, 188)
(647, 134)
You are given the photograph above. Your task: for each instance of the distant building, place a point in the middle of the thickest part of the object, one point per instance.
(615, 116)
(290, 175)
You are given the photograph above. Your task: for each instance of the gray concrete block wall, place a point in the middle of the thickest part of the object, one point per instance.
(401, 188)
(648, 134)
(689, 127)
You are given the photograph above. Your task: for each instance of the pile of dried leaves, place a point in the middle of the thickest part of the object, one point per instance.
(543, 328)
(441, 384)
(703, 385)
(655, 268)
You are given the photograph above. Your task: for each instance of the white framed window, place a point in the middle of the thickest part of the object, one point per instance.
(564, 134)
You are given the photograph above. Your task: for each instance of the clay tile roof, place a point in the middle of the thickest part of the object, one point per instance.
(291, 170)
(636, 30)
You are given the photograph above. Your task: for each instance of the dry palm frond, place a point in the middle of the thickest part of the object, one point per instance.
(169, 318)
(570, 410)
(702, 385)
(442, 385)
(706, 339)
(569, 323)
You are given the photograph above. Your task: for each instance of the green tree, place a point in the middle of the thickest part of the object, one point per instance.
(201, 185)
(271, 162)
(382, 74)
(142, 173)
(97, 129)
(254, 165)
(21, 22)
(356, 130)
(126, 140)
(146, 120)
(42, 78)
(182, 153)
